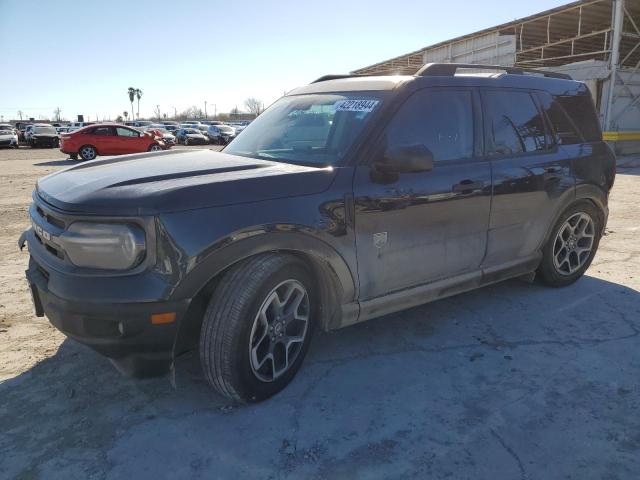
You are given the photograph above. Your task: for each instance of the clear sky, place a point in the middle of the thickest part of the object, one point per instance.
(82, 56)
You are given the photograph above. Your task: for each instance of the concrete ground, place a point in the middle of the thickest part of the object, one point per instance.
(513, 381)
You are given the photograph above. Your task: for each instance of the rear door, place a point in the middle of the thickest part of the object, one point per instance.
(414, 228)
(531, 175)
(105, 140)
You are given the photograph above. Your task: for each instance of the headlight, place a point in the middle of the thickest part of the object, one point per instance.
(108, 246)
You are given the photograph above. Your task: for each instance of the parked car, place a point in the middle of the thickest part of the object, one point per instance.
(159, 131)
(191, 136)
(21, 128)
(8, 136)
(221, 134)
(423, 187)
(172, 128)
(142, 123)
(107, 139)
(43, 136)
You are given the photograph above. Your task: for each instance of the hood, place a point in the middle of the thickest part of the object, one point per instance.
(160, 182)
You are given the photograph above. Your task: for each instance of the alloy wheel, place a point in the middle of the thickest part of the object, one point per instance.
(155, 148)
(88, 153)
(279, 330)
(573, 243)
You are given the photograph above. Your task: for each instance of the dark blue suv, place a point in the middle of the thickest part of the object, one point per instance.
(349, 198)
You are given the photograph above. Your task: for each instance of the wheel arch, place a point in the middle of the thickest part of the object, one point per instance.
(335, 282)
(583, 193)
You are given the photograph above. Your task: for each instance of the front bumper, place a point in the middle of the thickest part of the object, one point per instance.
(45, 141)
(112, 324)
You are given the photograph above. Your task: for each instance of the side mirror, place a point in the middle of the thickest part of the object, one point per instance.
(406, 159)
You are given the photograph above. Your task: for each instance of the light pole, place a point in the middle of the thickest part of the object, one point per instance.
(205, 110)
(175, 113)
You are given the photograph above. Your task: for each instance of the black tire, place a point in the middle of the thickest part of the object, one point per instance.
(84, 155)
(227, 326)
(186, 141)
(73, 156)
(547, 271)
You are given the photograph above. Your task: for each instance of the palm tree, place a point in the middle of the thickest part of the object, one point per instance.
(138, 95)
(132, 95)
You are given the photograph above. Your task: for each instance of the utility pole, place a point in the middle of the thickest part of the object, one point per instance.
(175, 113)
(215, 111)
(205, 110)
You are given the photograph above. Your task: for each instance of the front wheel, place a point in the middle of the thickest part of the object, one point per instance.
(155, 148)
(257, 327)
(572, 245)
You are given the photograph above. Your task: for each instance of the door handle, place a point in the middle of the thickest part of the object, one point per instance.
(552, 173)
(467, 186)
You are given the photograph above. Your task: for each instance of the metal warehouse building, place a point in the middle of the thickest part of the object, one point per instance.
(595, 41)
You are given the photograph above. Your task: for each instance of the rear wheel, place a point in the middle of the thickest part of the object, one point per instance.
(571, 245)
(257, 327)
(88, 152)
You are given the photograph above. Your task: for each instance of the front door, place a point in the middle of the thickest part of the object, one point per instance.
(130, 141)
(414, 228)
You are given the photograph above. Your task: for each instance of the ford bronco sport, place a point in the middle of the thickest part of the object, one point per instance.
(349, 198)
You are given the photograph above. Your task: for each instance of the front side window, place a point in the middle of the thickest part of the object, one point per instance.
(125, 132)
(313, 129)
(441, 120)
(514, 122)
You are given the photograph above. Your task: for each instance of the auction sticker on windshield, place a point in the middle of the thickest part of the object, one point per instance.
(355, 105)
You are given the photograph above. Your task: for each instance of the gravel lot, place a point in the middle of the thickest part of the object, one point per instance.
(513, 381)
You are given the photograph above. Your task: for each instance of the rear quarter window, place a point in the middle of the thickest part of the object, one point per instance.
(583, 114)
(572, 117)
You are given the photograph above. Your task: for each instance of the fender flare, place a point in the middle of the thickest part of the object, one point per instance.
(217, 260)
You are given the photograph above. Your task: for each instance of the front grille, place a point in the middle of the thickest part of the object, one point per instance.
(50, 218)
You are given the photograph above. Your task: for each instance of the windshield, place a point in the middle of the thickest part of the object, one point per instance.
(191, 131)
(225, 129)
(315, 129)
(45, 130)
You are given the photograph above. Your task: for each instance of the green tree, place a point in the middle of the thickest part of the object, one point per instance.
(138, 95)
(132, 96)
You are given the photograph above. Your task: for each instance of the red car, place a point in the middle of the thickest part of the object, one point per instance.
(108, 139)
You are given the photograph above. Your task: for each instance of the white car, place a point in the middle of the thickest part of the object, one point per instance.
(8, 136)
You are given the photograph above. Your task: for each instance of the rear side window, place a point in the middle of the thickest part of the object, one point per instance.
(102, 131)
(441, 120)
(514, 123)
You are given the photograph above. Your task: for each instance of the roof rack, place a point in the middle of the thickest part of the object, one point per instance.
(449, 70)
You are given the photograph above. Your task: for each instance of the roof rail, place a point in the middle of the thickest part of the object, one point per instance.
(449, 70)
(324, 78)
